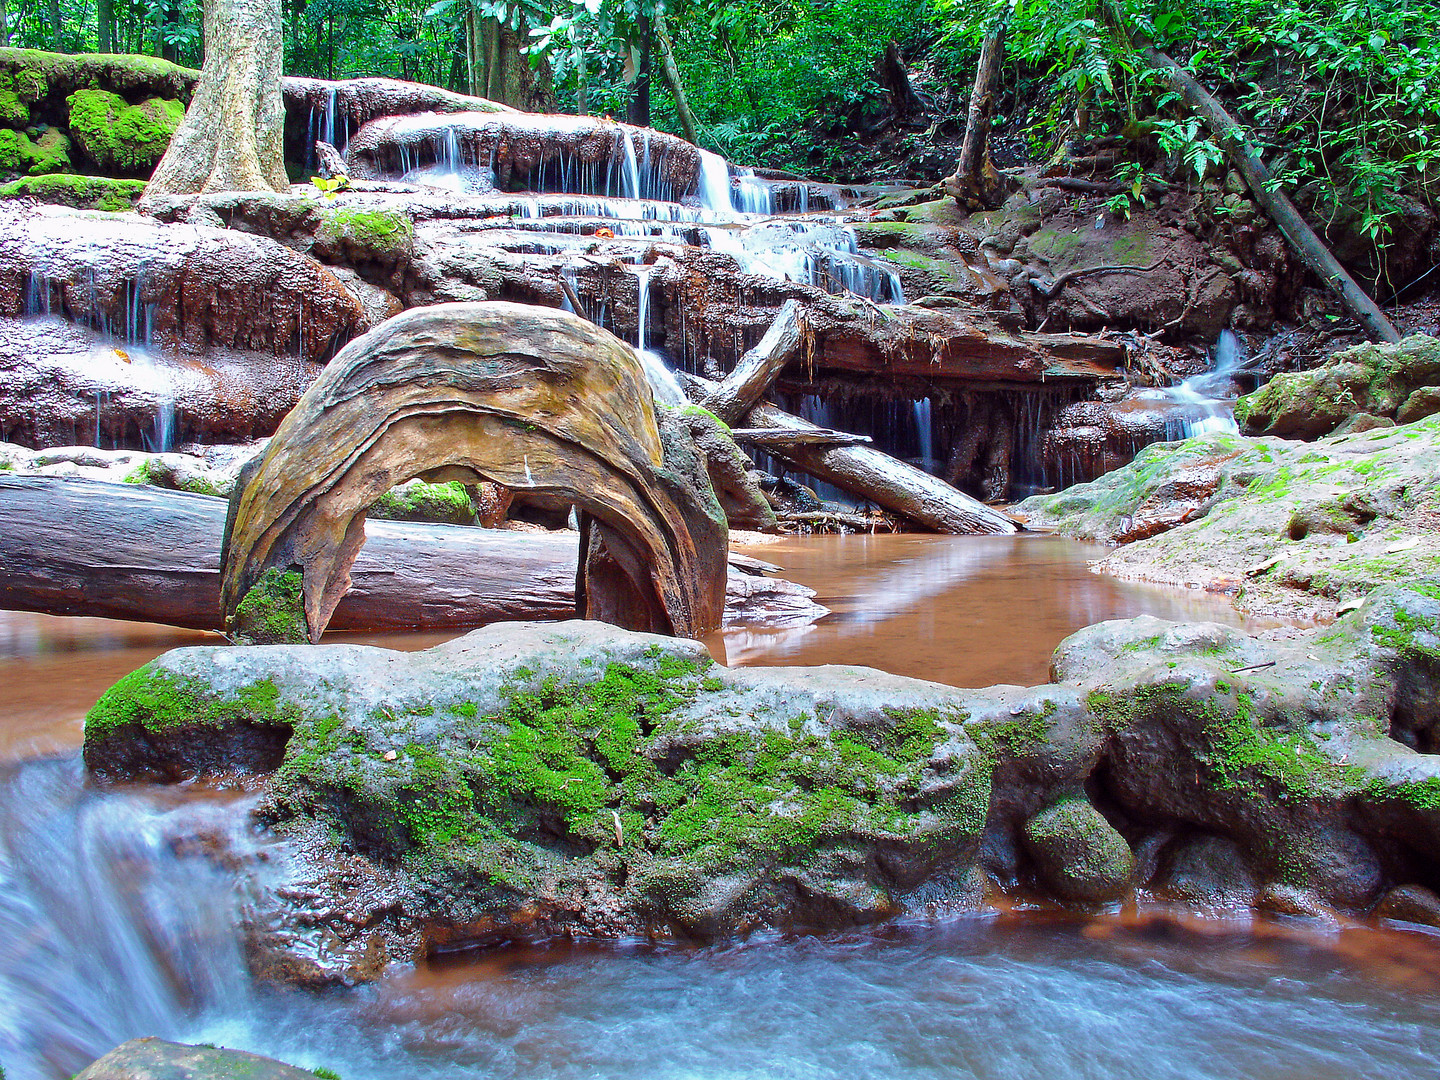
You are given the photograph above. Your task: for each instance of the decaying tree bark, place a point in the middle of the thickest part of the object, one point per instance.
(233, 133)
(893, 76)
(1312, 250)
(537, 400)
(976, 183)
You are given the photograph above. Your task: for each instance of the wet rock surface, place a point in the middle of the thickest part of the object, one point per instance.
(1290, 528)
(155, 1059)
(1362, 387)
(574, 778)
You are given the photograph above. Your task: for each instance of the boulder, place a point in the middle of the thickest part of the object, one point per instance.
(154, 1059)
(1399, 381)
(1079, 853)
(577, 778)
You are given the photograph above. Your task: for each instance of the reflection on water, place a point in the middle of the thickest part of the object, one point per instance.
(963, 610)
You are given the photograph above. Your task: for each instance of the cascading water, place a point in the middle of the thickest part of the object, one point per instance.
(925, 431)
(126, 354)
(663, 383)
(1203, 404)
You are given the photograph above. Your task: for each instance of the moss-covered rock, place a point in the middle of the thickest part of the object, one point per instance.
(1288, 527)
(358, 235)
(13, 112)
(50, 153)
(116, 135)
(447, 503)
(38, 76)
(272, 612)
(574, 777)
(81, 192)
(1382, 380)
(1080, 855)
(13, 148)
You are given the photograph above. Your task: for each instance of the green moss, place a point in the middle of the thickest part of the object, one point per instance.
(1409, 633)
(417, 501)
(1054, 246)
(272, 612)
(916, 261)
(13, 145)
(117, 135)
(26, 82)
(13, 112)
(1245, 755)
(372, 230)
(159, 701)
(1420, 794)
(82, 192)
(1130, 249)
(700, 410)
(326, 1074)
(48, 154)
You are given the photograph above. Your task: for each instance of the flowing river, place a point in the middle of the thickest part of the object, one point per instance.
(118, 906)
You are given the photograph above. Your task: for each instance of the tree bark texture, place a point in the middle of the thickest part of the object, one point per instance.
(1312, 250)
(233, 133)
(540, 401)
(976, 182)
(672, 77)
(104, 25)
(893, 76)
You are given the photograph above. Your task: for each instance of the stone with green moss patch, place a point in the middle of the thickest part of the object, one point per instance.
(116, 135)
(1079, 853)
(82, 192)
(272, 612)
(380, 232)
(448, 503)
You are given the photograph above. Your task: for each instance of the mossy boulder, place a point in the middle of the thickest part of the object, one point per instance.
(1290, 528)
(546, 778)
(1399, 381)
(14, 148)
(50, 153)
(448, 503)
(359, 234)
(13, 112)
(121, 137)
(1080, 855)
(81, 192)
(154, 1059)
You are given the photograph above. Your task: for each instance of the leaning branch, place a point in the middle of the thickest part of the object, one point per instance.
(1310, 248)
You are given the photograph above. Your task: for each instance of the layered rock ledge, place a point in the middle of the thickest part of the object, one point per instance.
(573, 778)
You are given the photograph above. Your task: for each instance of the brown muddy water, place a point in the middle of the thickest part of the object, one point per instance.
(116, 923)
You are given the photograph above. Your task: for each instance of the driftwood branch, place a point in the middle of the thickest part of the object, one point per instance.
(1311, 249)
(879, 478)
(779, 438)
(737, 394)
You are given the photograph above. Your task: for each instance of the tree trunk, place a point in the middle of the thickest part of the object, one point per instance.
(232, 135)
(904, 101)
(672, 76)
(639, 111)
(737, 394)
(582, 84)
(104, 25)
(505, 72)
(55, 40)
(4, 26)
(976, 182)
(1311, 249)
(122, 551)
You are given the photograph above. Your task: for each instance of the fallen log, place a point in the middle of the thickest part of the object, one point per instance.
(879, 478)
(770, 438)
(737, 393)
(71, 546)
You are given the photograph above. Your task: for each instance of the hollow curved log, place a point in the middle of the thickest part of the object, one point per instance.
(537, 400)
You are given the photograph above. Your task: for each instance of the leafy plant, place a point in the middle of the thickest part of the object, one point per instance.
(330, 186)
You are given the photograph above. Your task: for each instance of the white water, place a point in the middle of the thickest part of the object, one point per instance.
(1204, 404)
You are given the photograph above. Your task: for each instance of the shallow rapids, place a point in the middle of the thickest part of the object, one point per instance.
(116, 920)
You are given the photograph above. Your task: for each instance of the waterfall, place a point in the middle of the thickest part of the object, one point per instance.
(926, 432)
(1204, 404)
(663, 383)
(715, 184)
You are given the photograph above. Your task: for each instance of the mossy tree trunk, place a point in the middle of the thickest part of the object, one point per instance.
(104, 25)
(232, 136)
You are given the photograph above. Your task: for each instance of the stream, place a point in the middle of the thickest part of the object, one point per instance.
(118, 906)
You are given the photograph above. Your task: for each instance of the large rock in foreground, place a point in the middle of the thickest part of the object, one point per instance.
(535, 779)
(155, 1059)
